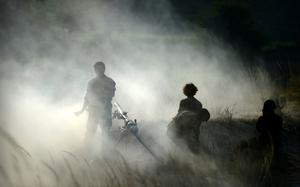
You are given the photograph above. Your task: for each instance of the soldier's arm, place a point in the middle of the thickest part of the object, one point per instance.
(113, 90)
(199, 107)
(181, 104)
(280, 123)
(85, 102)
(259, 125)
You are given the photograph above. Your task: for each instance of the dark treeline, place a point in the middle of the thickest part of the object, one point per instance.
(268, 30)
(257, 25)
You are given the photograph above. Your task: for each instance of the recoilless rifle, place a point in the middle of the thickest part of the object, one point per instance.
(131, 127)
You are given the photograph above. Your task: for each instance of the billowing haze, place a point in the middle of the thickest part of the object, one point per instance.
(148, 50)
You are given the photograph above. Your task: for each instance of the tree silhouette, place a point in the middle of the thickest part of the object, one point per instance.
(232, 21)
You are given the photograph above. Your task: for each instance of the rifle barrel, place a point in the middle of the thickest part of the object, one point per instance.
(121, 111)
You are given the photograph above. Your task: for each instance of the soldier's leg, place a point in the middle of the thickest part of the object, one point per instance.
(106, 123)
(192, 144)
(197, 132)
(92, 123)
(193, 139)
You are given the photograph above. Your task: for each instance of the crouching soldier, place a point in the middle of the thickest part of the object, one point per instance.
(186, 124)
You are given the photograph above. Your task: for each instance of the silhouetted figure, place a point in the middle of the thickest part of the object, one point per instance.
(270, 125)
(97, 101)
(186, 124)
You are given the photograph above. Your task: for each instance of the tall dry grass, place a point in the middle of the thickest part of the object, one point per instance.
(227, 158)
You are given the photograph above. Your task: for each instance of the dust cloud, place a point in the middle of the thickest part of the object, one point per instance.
(148, 50)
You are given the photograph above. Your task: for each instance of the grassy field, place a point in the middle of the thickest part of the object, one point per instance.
(229, 156)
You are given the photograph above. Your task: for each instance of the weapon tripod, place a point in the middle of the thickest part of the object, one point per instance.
(131, 127)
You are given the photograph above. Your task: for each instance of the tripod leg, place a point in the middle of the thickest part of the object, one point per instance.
(147, 148)
(121, 137)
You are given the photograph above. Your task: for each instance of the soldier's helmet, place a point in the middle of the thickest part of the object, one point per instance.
(269, 105)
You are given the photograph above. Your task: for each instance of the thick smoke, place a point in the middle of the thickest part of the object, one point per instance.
(149, 51)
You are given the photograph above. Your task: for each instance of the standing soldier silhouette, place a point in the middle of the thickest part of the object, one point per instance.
(97, 101)
(270, 127)
(270, 124)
